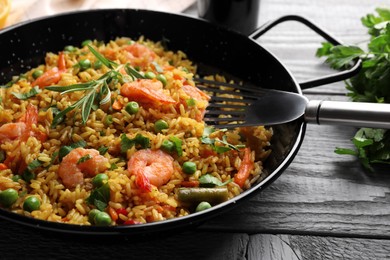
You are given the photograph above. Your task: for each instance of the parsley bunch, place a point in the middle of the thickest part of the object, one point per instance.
(371, 84)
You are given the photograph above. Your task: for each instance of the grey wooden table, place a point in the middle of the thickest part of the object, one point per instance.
(324, 206)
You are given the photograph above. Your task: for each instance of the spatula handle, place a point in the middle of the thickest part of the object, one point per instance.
(357, 114)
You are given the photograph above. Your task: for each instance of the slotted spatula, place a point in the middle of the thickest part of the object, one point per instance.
(234, 105)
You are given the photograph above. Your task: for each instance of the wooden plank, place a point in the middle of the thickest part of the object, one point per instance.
(38, 244)
(288, 247)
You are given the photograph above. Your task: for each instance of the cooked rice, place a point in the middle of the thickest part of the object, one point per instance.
(69, 205)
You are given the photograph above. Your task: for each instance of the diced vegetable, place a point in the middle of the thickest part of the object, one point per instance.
(132, 108)
(102, 219)
(160, 125)
(196, 195)
(99, 180)
(203, 206)
(167, 146)
(91, 215)
(189, 167)
(31, 203)
(8, 197)
(245, 169)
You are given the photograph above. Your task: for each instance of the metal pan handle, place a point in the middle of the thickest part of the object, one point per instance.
(338, 76)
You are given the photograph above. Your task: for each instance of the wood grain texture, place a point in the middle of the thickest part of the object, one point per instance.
(289, 247)
(38, 244)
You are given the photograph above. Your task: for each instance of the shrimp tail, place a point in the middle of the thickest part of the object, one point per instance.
(143, 183)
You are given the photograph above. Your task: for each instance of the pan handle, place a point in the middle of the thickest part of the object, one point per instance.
(338, 76)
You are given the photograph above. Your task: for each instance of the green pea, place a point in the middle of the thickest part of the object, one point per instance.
(37, 73)
(167, 146)
(108, 120)
(97, 65)
(31, 203)
(28, 176)
(16, 178)
(8, 197)
(99, 179)
(203, 206)
(150, 75)
(86, 42)
(69, 48)
(132, 107)
(92, 214)
(160, 125)
(162, 78)
(84, 64)
(189, 167)
(102, 219)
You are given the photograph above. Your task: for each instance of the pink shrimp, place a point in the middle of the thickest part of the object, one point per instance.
(52, 76)
(146, 91)
(199, 96)
(139, 55)
(23, 128)
(195, 93)
(150, 167)
(79, 163)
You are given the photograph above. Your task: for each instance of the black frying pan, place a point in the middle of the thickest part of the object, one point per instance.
(213, 48)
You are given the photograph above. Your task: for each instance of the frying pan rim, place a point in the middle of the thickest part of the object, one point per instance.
(191, 219)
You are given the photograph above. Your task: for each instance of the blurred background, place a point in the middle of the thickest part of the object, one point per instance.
(15, 11)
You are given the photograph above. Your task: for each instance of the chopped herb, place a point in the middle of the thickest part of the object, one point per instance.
(157, 67)
(138, 140)
(28, 173)
(23, 96)
(103, 150)
(210, 181)
(177, 145)
(84, 158)
(100, 197)
(64, 150)
(214, 141)
(369, 85)
(191, 102)
(113, 166)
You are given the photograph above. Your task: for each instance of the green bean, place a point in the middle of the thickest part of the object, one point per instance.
(196, 195)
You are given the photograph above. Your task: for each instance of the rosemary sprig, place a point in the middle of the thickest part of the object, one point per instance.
(93, 89)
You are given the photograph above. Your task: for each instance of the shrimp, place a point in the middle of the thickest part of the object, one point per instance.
(23, 128)
(139, 55)
(146, 91)
(200, 97)
(150, 167)
(195, 93)
(79, 163)
(245, 169)
(53, 75)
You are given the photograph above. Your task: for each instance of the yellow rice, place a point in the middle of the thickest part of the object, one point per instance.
(68, 205)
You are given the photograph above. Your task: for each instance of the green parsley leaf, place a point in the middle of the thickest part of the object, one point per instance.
(100, 197)
(371, 84)
(139, 140)
(23, 96)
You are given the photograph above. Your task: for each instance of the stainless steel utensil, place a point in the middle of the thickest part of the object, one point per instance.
(234, 105)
